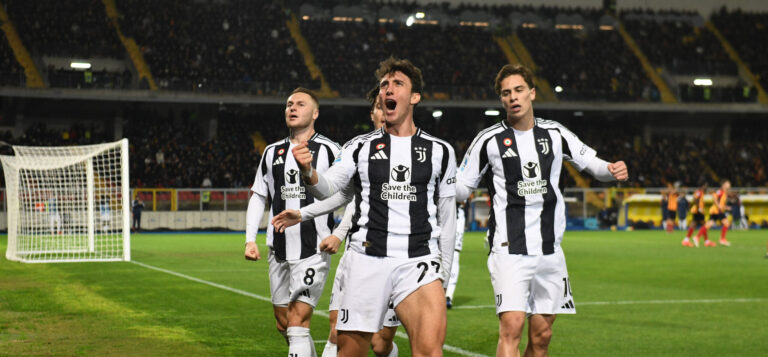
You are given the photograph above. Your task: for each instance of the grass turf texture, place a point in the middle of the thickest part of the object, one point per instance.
(637, 293)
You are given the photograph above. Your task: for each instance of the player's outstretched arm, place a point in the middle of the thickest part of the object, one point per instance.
(285, 219)
(619, 170)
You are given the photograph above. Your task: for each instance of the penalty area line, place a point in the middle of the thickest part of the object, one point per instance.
(399, 334)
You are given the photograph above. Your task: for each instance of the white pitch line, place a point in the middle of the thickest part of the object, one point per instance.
(637, 302)
(263, 298)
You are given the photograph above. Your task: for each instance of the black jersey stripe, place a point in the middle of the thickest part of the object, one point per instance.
(378, 213)
(278, 204)
(515, 212)
(546, 157)
(421, 168)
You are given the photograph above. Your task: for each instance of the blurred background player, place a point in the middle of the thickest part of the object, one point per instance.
(105, 214)
(54, 215)
(461, 219)
(136, 209)
(717, 213)
(672, 196)
(697, 218)
(682, 210)
(297, 268)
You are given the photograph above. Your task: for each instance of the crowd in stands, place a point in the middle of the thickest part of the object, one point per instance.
(233, 46)
(457, 61)
(593, 66)
(246, 46)
(11, 73)
(746, 32)
(72, 28)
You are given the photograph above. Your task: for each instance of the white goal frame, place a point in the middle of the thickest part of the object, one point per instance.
(68, 203)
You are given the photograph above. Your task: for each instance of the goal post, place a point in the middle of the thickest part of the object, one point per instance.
(68, 203)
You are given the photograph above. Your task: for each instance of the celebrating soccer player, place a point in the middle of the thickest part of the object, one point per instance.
(521, 157)
(297, 268)
(405, 217)
(382, 342)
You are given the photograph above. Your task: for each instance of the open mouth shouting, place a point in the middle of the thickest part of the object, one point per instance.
(390, 104)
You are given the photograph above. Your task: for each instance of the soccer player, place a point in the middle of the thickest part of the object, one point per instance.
(671, 207)
(405, 218)
(717, 213)
(382, 342)
(682, 210)
(697, 219)
(297, 268)
(105, 214)
(521, 159)
(54, 216)
(454, 279)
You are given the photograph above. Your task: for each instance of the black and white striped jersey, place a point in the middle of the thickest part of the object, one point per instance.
(522, 171)
(398, 182)
(278, 178)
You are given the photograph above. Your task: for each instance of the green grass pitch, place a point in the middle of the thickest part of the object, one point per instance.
(636, 293)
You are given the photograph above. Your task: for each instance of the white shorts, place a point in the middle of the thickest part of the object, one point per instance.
(380, 284)
(300, 280)
(390, 319)
(535, 284)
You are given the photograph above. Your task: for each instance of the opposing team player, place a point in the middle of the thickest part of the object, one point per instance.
(521, 158)
(672, 196)
(382, 342)
(405, 217)
(454, 278)
(717, 213)
(297, 268)
(697, 219)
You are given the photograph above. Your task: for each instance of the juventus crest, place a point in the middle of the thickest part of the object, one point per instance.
(421, 153)
(544, 144)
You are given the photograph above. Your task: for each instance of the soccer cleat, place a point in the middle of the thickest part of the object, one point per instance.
(696, 241)
(725, 242)
(709, 243)
(448, 303)
(687, 243)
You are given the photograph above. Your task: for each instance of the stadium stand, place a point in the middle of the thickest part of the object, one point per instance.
(237, 46)
(746, 31)
(11, 73)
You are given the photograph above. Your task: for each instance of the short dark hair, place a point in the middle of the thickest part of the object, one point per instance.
(372, 95)
(511, 69)
(392, 65)
(308, 92)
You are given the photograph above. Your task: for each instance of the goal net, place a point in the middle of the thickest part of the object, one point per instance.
(68, 204)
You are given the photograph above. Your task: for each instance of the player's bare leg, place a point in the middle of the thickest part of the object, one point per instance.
(423, 315)
(281, 320)
(381, 343)
(354, 343)
(723, 231)
(539, 335)
(331, 347)
(510, 331)
(299, 340)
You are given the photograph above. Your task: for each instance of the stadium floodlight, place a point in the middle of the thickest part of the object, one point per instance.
(409, 21)
(80, 65)
(702, 82)
(558, 89)
(68, 203)
(420, 15)
(437, 114)
(491, 112)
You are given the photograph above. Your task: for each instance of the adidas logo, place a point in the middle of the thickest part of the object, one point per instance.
(509, 153)
(279, 161)
(379, 155)
(568, 305)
